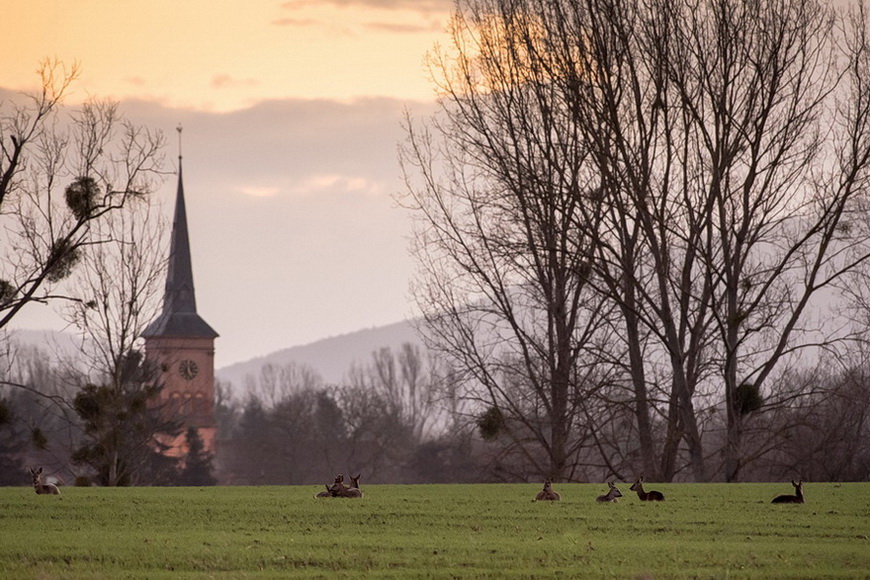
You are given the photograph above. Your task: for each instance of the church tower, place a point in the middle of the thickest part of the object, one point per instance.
(180, 342)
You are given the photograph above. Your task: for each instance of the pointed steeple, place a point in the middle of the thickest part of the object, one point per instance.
(179, 317)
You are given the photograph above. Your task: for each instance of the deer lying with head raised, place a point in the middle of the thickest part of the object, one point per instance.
(611, 495)
(646, 495)
(39, 486)
(547, 494)
(334, 489)
(353, 490)
(798, 497)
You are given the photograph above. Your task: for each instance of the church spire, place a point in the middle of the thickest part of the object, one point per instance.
(179, 317)
(179, 295)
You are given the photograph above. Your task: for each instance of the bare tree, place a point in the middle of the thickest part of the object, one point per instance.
(299, 439)
(498, 183)
(60, 175)
(735, 139)
(378, 440)
(407, 382)
(117, 292)
(74, 200)
(35, 402)
(275, 383)
(117, 288)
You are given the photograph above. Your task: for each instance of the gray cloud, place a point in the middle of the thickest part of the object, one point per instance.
(324, 251)
(289, 139)
(295, 233)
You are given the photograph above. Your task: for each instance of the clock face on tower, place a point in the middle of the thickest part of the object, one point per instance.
(187, 369)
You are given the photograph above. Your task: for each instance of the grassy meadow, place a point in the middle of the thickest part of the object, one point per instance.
(437, 531)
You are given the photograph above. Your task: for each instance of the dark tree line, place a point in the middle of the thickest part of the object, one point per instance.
(97, 433)
(815, 424)
(383, 422)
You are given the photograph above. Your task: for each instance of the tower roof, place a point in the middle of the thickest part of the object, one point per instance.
(179, 317)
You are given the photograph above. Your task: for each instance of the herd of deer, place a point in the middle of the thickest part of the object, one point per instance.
(340, 489)
(613, 494)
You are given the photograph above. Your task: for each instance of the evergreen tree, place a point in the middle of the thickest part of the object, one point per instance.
(198, 469)
(11, 445)
(126, 433)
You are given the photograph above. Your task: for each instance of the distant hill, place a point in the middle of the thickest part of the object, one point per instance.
(331, 358)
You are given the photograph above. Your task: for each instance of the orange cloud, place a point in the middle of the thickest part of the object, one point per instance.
(415, 5)
(294, 22)
(135, 81)
(401, 28)
(427, 6)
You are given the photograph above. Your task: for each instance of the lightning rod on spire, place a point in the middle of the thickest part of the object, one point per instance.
(179, 140)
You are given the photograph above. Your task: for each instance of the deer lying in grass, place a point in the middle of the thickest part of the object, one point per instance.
(353, 490)
(42, 488)
(547, 494)
(797, 498)
(611, 495)
(334, 489)
(646, 495)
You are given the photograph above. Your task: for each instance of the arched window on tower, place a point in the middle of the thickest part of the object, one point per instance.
(174, 404)
(187, 408)
(201, 405)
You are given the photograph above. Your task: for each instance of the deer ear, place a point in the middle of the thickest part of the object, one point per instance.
(39, 471)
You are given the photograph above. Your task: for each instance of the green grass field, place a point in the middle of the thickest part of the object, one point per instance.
(439, 531)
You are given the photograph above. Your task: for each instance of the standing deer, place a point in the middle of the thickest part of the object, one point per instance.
(646, 495)
(611, 495)
(547, 494)
(797, 498)
(42, 488)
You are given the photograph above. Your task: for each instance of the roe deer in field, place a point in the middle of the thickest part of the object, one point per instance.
(798, 497)
(333, 490)
(353, 490)
(611, 495)
(646, 495)
(42, 488)
(547, 494)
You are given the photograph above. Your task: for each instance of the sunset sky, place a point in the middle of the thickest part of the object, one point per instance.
(291, 113)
